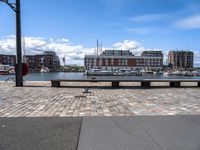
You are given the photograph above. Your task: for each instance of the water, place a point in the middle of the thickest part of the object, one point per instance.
(72, 75)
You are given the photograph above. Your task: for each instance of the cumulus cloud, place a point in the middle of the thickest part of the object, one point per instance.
(37, 45)
(131, 45)
(192, 22)
(73, 53)
(127, 45)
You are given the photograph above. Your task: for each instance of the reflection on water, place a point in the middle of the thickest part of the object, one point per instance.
(71, 75)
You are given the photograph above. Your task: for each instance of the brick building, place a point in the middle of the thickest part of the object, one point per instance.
(36, 62)
(182, 60)
(30, 60)
(124, 59)
(8, 59)
(48, 59)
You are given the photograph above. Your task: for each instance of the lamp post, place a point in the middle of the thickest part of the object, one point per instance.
(16, 8)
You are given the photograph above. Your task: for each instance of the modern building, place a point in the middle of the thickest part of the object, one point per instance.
(30, 60)
(48, 59)
(116, 59)
(152, 53)
(182, 60)
(36, 62)
(7, 59)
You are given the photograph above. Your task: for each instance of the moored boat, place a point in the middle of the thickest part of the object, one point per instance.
(45, 69)
(6, 69)
(196, 73)
(99, 72)
(177, 73)
(158, 73)
(146, 72)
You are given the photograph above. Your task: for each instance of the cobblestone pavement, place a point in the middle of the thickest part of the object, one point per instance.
(39, 99)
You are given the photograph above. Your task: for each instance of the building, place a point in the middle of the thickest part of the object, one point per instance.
(116, 59)
(36, 62)
(152, 53)
(116, 53)
(30, 60)
(182, 60)
(48, 59)
(8, 59)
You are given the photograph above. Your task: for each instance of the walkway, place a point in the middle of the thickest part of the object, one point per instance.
(43, 100)
(101, 133)
(39, 117)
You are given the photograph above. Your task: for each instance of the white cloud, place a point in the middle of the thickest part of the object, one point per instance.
(146, 18)
(192, 22)
(139, 30)
(74, 54)
(134, 46)
(127, 45)
(36, 45)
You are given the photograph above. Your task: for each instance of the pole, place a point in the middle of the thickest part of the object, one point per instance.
(19, 77)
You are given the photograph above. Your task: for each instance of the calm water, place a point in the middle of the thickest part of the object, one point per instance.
(66, 75)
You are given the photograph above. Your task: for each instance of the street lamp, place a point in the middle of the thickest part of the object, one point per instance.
(16, 8)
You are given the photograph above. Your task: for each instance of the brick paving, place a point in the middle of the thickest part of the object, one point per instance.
(39, 99)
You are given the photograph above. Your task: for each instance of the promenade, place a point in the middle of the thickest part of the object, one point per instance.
(39, 117)
(38, 99)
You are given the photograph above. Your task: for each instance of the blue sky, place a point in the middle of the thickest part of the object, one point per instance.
(71, 27)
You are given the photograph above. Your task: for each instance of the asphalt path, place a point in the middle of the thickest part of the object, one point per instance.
(101, 133)
(140, 133)
(55, 133)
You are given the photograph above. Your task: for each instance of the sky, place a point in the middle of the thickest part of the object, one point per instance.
(71, 27)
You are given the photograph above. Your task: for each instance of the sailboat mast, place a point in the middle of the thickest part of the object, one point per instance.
(97, 46)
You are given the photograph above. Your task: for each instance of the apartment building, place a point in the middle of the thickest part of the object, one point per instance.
(123, 59)
(36, 62)
(182, 60)
(8, 59)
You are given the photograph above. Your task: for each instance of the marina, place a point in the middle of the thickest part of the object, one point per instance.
(47, 76)
(99, 75)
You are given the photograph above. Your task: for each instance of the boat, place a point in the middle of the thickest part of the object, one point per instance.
(11, 70)
(126, 72)
(4, 72)
(136, 73)
(146, 72)
(122, 72)
(99, 72)
(158, 73)
(45, 69)
(196, 73)
(177, 73)
(4, 69)
(188, 73)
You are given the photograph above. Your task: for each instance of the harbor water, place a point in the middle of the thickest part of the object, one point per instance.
(72, 75)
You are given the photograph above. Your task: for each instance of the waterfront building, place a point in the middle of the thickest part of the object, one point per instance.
(7, 59)
(48, 59)
(116, 59)
(152, 53)
(181, 60)
(30, 60)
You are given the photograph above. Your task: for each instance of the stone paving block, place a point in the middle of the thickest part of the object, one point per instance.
(39, 99)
